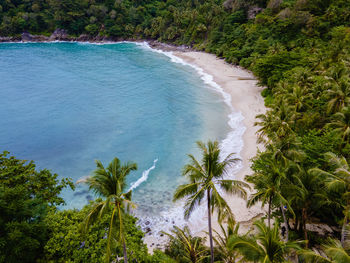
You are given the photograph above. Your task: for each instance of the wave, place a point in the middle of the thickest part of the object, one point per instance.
(233, 142)
(234, 139)
(144, 176)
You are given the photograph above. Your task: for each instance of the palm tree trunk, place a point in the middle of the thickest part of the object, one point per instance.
(285, 222)
(210, 231)
(345, 222)
(296, 223)
(124, 252)
(109, 237)
(304, 212)
(269, 213)
(121, 233)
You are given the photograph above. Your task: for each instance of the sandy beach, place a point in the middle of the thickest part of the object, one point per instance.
(246, 98)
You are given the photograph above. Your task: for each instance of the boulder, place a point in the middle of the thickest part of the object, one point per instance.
(8, 39)
(59, 34)
(253, 11)
(83, 38)
(27, 37)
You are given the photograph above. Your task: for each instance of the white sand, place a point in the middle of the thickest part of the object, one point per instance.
(246, 98)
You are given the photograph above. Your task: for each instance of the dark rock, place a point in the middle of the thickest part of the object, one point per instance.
(147, 223)
(253, 11)
(80, 193)
(148, 230)
(41, 38)
(168, 47)
(59, 34)
(26, 37)
(228, 4)
(8, 39)
(161, 234)
(83, 38)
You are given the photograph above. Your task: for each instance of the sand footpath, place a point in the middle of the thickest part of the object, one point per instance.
(246, 98)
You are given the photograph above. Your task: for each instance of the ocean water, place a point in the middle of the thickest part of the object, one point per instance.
(65, 105)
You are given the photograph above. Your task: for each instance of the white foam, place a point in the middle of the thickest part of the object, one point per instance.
(144, 176)
(232, 143)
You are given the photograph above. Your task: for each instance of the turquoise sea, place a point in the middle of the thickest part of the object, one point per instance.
(65, 105)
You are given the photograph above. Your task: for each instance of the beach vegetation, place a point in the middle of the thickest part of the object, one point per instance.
(110, 183)
(183, 247)
(298, 49)
(26, 197)
(264, 246)
(67, 243)
(206, 181)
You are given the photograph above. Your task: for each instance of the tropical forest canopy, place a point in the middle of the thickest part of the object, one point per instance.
(298, 49)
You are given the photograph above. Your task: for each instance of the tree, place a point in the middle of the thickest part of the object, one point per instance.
(278, 122)
(184, 247)
(68, 244)
(338, 180)
(341, 123)
(306, 195)
(338, 95)
(270, 181)
(26, 196)
(265, 246)
(221, 242)
(333, 252)
(110, 183)
(204, 178)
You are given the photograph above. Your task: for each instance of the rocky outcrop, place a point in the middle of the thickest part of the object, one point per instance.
(60, 34)
(26, 37)
(10, 39)
(167, 47)
(83, 38)
(253, 11)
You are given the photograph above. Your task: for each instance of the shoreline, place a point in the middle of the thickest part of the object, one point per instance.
(246, 98)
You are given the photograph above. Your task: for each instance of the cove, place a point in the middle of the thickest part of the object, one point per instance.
(65, 105)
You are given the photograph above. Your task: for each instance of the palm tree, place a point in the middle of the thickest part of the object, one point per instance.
(266, 246)
(110, 183)
(339, 181)
(191, 248)
(338, 96)
(270, 181)
(204, 178)
(338, 87)
(306, 194)
(333, 252)
(341, 123)
(221, 241)
(278, 122)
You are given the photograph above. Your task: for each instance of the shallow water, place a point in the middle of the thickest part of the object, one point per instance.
(65, 105)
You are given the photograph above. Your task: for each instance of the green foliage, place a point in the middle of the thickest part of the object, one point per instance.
(110, 183)
(26, 195)
(68, 243)
(299, 49)
(183, 247)
(265, 246)
(160, 257)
